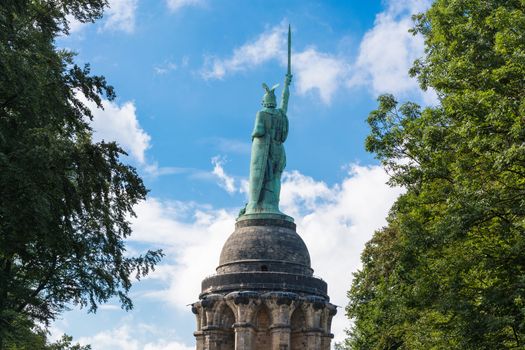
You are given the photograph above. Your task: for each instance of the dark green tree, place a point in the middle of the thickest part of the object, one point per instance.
(65, 201)
(25, 335)
(448, 272)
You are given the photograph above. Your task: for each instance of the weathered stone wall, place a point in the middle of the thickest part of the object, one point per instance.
(257, 321)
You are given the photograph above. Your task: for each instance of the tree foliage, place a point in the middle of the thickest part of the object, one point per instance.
(24, 335)
(65, 201)
(448, 272)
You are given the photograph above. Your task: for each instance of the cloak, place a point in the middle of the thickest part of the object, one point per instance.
(264, 133)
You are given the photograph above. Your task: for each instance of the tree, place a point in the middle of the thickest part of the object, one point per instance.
(26, 336)
(448, 272)
(65, 201)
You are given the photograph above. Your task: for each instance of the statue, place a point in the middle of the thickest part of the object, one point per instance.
(268, 158)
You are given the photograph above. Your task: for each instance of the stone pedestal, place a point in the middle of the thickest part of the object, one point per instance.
(264, 295)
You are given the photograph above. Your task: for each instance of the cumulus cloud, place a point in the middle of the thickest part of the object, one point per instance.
(313, 70)
(334, 221)
(120, 15)
(128, 337)
(269, 45)
(388, 50)
(319, 71)
(176, 5)
(119, 123)
(386, 53)
(188, 233)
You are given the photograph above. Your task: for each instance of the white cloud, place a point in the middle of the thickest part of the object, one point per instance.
(176, 5)
(269, 45)
(335, 224)
(313, 70)
(226, 145)
(188, 233)
(388, 50)
(128, 337)
(165, 68)
(109, 307)
(386, 53)
(319, 71)
(153, 169)
(120, 15)
(334, 221)
(75, 26)
(167, 345)
(119, 123)
(225, 181)
(115, 339)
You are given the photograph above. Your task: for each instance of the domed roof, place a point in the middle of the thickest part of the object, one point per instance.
(264, 255)
(265, 246)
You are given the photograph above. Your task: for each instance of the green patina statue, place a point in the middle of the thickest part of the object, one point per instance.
(268, 158)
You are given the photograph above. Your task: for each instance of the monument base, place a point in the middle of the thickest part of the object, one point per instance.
(266, 216)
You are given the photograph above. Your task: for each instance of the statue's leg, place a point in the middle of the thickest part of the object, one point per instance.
(275, 186)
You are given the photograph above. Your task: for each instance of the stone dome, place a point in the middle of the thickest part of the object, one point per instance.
(264, 255)
(265, 246)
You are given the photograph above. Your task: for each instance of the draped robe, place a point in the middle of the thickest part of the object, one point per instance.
(268, 160)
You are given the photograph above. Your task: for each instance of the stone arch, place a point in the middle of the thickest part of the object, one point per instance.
(298, 339)
(228, 317)
(263, 339)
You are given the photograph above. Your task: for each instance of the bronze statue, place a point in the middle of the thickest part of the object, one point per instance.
(268, 158)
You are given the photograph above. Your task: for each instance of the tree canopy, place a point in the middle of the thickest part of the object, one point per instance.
(65, 201)
(448, 271)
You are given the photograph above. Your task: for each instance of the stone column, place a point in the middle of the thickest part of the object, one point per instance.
(326, 324)
(244, 336)
(196, 308)
(280, 337)
(199, 337)
(313, 310)
(281, 306)
(245, 305)
(215, 333)
(213, 339)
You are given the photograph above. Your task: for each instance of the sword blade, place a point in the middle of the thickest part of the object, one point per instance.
(289, 50)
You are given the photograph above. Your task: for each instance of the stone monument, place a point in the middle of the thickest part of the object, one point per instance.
(264, 295)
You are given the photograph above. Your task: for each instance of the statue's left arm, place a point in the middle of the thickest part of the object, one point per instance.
(286, 93)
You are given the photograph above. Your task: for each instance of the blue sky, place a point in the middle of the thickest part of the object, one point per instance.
(188, 77)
